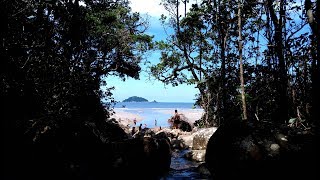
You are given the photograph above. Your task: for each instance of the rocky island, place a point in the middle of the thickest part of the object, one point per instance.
(135, 99)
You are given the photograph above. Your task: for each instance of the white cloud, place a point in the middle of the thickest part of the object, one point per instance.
(153, 7)
(150, 7)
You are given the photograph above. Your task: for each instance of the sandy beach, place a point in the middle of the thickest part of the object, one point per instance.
(191, 115)
(126, 118)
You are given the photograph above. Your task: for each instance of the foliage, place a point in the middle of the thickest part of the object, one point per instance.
(279, 70)
(56, 53)
(54, 58)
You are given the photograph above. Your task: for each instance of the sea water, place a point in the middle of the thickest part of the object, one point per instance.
(156, 113)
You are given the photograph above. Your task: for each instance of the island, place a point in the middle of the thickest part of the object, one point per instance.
(135, 99)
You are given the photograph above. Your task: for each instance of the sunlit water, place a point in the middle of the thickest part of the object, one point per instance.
(156, 114)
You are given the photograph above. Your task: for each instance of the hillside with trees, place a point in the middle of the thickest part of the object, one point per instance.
(135, 99)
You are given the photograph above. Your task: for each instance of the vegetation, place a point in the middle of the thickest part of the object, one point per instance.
(273, 44)
(135, 99)
(54, 58)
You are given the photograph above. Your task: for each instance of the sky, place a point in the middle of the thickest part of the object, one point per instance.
(146, 88)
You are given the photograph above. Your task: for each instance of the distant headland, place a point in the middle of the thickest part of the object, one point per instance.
(135, 99)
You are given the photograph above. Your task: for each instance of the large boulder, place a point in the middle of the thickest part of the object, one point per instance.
(187, 140)
(157, 154)
(201, 138)
(240, 150)
(185, 126)
(148, 154)
(202, 169)
(197, 142)
(69, 152)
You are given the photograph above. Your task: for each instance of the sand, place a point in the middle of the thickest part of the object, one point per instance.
(126, 118)
(191, 114)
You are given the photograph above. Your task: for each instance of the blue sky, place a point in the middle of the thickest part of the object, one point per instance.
(151, 89)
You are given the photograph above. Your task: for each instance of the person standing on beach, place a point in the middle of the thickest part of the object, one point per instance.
(135, 121)
(140, 127)
(155, 122)
(133, 130)
(176, 119)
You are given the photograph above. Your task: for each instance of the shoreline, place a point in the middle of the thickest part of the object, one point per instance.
(125, 116)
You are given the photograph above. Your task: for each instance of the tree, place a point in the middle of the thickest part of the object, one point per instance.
(197, 53)
(315, 55)
(243, 98)
(279, 25)
(62, 51)
(203, 51)
(55, 55)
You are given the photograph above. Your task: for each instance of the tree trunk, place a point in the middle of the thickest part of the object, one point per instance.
(315, 65)
(243, 97)
(222, 88)
(317, 96)
(282, 111)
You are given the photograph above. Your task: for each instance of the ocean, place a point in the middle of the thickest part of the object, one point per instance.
(156, 114)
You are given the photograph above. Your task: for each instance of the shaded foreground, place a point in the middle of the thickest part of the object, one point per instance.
(97, 152)
(235, 150)
(251, 151)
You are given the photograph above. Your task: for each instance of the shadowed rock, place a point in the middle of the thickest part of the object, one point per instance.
(238, 150)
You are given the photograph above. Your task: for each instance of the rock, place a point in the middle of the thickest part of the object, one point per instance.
(150, 154)
(178, 144)
(187, 140)
(164, 154)
(161, 134)
(275, 149)
(204, 171)
(201, 138)
(196, 155)
(185, 126)
(242, 151)
(158, 155)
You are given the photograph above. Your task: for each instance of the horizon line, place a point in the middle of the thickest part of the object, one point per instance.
(159, 102)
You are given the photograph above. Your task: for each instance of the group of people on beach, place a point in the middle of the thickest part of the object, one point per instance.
(175, 120)
(134, 126)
